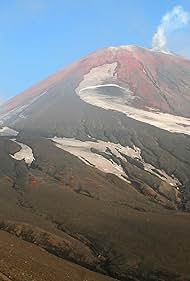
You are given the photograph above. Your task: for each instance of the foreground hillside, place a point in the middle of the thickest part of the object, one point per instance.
(20, 260)
(96, 220)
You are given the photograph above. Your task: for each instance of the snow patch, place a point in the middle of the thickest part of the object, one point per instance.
(8, 132)
(83, 150)
(165, 121)
(102, 86)
(25, 153)
(130, 48)
(97, 76)
(162, 50)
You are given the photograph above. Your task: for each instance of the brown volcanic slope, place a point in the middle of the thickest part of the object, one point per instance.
(20, 260)
(134, 229)
(82, 215)
(160, 81)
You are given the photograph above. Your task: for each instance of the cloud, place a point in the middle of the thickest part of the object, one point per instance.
(174, 20)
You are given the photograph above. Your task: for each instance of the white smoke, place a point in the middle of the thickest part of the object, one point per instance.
(176, 19)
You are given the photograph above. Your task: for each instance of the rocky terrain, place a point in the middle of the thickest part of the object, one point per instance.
(95, 171)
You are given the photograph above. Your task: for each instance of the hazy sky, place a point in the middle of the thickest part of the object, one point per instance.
(38, 37)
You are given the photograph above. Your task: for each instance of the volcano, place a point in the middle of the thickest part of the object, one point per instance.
(95, 166)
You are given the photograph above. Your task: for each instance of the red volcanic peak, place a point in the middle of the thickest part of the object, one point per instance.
(157, 80)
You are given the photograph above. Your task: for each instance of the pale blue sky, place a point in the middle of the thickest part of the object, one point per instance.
(38, 37)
